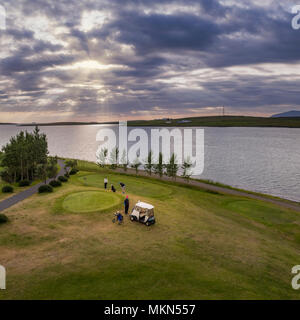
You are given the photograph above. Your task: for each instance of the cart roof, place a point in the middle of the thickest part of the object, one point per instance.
(144, 205)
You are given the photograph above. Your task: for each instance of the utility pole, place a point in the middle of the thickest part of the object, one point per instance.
(223, 111)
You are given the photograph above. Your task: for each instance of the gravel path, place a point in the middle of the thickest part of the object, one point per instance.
(7, 203)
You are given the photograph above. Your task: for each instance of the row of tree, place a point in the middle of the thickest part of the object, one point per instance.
(159, 167)
(25, 157)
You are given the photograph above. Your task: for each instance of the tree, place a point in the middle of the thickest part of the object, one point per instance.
(124, 160)
(42, 172)
(102, 157)
(23, 153)
(52, 168)
(114, 156)
(149, 163)
(159, 167)
(172, 167)
(135, 165)
(70, 164)
(186, 167)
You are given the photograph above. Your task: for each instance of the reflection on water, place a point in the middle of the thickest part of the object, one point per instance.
(258, 159)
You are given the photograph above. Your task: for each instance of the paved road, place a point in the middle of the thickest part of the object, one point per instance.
(286, 204)
(9, 202)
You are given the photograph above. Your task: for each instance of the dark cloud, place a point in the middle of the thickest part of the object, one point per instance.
(168, 55)
(17, 63)
(149, 33)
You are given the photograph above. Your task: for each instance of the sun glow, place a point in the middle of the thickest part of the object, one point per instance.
(90, 65)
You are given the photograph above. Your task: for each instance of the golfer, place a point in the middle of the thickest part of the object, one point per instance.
(126, 205)
(122, 186)
(119, 217)
(105, 183)
(113, 189)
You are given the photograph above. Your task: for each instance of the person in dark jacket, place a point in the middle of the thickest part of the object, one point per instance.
(122, 186)
(113, 189)
(126, 205)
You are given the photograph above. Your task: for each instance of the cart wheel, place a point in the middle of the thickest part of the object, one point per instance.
(132, 218)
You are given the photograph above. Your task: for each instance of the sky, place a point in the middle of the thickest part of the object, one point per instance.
(105, 60)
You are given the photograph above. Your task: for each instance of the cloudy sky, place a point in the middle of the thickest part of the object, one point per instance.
(101, 60)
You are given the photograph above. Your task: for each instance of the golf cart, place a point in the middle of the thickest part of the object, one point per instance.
(143, 212)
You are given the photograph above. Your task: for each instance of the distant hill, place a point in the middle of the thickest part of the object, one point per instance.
(221, 121)
(293, 113)
(213, 121)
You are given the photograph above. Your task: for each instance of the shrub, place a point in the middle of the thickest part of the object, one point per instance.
(55, 183)
(5, 176)
(3, 218)
(7, 189)
(62, 179)
(74, 171)
(66, 175)
(45, 188)
(24, 183)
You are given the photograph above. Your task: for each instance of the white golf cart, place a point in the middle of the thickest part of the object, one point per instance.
(143, 212)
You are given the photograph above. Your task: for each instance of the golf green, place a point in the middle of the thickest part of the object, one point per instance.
(90, 201)
(134, 185)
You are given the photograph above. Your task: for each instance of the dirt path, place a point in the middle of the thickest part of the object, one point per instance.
(282, 203)
(9, 202)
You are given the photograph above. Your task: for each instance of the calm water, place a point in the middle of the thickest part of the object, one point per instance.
(258, 159)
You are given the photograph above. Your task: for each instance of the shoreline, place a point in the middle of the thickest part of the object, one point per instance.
(210, 121)
(200, 184)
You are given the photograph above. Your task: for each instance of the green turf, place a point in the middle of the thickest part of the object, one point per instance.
(90, 201)
(134, 185)
(203, 246)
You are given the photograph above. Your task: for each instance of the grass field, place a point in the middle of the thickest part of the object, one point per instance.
(203, 246)
(223, 121)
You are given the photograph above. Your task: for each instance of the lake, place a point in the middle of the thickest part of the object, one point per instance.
(258, 159)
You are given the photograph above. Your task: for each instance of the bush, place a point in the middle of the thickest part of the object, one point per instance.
(55, 183)
(66, 175)
(74, 171)
(7, 189)
(24, 183)
(62, 179)
(5, 176)
(45, 188)
(3, 218)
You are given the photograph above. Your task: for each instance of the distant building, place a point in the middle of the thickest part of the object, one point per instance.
(184, 121)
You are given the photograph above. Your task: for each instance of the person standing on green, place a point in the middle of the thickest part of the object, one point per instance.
(126, 205)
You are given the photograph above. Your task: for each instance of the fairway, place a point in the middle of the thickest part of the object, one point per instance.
(90, 201)
(203, 245)
(134, 185)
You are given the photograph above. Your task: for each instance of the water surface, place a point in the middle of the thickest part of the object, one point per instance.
(258, 159)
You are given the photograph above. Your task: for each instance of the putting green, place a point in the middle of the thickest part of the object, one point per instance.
(135, 185)
(90, 201)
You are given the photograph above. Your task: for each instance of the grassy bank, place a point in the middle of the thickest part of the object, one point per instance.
(204, 245)
(226, 121)
(211, 121)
